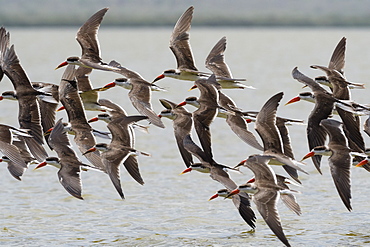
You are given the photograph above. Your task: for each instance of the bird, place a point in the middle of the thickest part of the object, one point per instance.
(234, 116)
(48, 102)
(325, 151)
(28, 107)
(217, 172)
(67, 162)
(68, 95)
(182, 127)
(118, 150)
(215, 62)
(140, 94)
(206, 113)
(117, 112)
(125, 83)
(351, 122)
(307, 96)
(242, 203)
(340, 160)
(180, 46)
(324, 105)
(266, 193)
(267, 129)
(87, 37)
(14, 150)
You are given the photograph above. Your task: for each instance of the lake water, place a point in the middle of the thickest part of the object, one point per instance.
(173, 210)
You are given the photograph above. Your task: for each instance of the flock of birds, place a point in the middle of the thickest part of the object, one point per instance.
(38, 103)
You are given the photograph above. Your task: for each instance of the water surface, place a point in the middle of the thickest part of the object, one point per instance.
(172, 210)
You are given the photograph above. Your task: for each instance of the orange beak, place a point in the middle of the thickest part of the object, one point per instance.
(94, 119)
(309, 155)
(363, 162)
(213, 197)
(181, 104)
(93, 149)
(295, 99)
(241, 163)
(40, 165)
(158, 78)
(186, 170)
(234, 192)
(61, 65)
(61, 108)
(193, 87)
(109, 85)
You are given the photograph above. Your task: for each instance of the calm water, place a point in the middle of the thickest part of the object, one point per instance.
(172, 210)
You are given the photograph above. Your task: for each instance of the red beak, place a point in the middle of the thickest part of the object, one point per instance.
(40, 165)
(61, 108)
(158, 78)
(252, 180)
(109, 85)
(295, 99)
(93, 149)
(213, 197)
(94, 119)
(1, 97)
(186, 170)
(363, 162)
(193, 87)
(181, 104)
(248, 120)
(61, 65)
(309, 155)
(241, 163)
(234, 192)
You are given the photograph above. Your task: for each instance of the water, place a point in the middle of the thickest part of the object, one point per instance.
(172, 210)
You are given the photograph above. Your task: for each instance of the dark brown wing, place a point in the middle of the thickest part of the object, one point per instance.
(87, 36)
(69, 177)
(340, 164)
(203, 118)
(323, 108)
(179, 41)
(28, 115)
(239, 126)
(121, 136)
(242, 203)
(266, 200)
(266, 124)
(215, 61)
(340, 161)
(140, 95)
(337, 59)
(112, 160)
(68, 95)
(182, 126)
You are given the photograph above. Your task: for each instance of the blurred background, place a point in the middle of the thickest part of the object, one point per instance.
(208, 12)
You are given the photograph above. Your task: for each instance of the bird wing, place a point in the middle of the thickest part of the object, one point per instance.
(87, 36)
(69, 177)
(215, 61)
(179, 41)
(266, 200)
